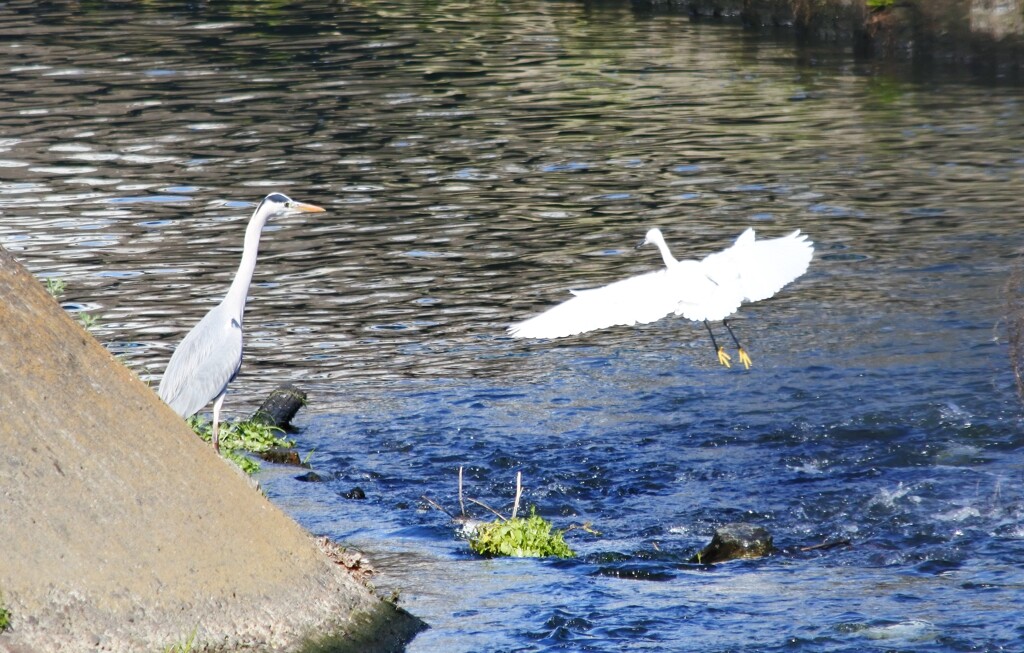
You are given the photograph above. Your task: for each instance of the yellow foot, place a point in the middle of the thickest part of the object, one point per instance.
(723, 357)
(745, 359)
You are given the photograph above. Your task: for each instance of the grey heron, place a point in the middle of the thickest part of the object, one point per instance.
(710, 289)
(210, 355)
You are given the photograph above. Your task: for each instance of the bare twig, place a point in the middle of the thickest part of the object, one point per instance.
(484, 505)
(462, 505)
(826, 545)
(519, 493)
(437, 505)
(587, 528)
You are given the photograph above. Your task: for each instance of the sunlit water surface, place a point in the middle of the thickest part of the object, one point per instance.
(479, 159)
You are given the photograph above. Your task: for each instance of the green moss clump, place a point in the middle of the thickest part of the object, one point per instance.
(5, 615)
(531, 537)
(185, 646)
(239, 437)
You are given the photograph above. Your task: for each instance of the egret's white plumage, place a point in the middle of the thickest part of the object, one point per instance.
(210, 356)
(710, 289)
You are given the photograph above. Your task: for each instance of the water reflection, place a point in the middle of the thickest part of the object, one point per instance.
(479, 159)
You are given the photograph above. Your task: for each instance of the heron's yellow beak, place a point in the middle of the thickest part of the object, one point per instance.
(305, 208)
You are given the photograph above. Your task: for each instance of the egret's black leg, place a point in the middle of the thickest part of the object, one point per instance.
(723, 357)
(744, 358)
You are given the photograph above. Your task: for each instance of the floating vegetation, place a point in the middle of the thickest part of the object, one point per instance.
(532, 537)
(518, 537)
(241, 437)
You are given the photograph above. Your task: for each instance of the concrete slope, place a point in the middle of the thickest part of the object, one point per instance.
(122, 531)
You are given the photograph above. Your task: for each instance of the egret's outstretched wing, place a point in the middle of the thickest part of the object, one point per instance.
(636, 300)
(203, 364)
(760, 268)
(699, 298)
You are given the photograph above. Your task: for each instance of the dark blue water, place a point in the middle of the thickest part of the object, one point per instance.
(849, 427)
(480, 159)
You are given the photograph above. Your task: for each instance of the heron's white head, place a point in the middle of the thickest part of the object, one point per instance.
(277, 204)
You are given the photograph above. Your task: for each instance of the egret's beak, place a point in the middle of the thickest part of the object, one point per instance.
(641, 243)
(302, 207)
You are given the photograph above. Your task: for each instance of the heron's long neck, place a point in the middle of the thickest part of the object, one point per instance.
(240, 286)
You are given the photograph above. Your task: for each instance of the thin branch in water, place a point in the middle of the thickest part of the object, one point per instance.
(826, 545)
(462, 504)
(586, 527)
(484, 505)
(437, 505)
(519, 493)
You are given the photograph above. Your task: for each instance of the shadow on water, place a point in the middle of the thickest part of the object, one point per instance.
(477, 161)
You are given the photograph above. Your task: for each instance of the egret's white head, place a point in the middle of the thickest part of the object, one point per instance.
(653, 237)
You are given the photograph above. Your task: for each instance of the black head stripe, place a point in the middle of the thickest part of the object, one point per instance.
(278, 197)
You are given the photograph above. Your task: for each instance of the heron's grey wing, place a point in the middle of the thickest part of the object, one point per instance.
(760, 268)
(636, 300)
(203, 364)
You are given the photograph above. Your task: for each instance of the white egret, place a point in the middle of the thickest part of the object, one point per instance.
(710, 289)
(209, 357)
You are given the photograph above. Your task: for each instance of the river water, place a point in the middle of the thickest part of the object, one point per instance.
(477, 160)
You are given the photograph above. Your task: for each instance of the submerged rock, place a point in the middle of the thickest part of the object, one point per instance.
(283, 456)
(735, 541)
(355, 493)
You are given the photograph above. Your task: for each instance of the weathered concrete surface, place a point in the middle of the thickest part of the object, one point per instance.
(990, 31)
(122, 531)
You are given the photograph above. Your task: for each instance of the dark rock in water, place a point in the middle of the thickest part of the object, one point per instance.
(734, 541)
(283, 456)
(355, 493)
(310, 477)
(280, 406)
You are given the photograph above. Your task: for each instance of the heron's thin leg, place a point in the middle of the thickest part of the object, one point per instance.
(723, 357)
(216, 421)
(744, 358)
